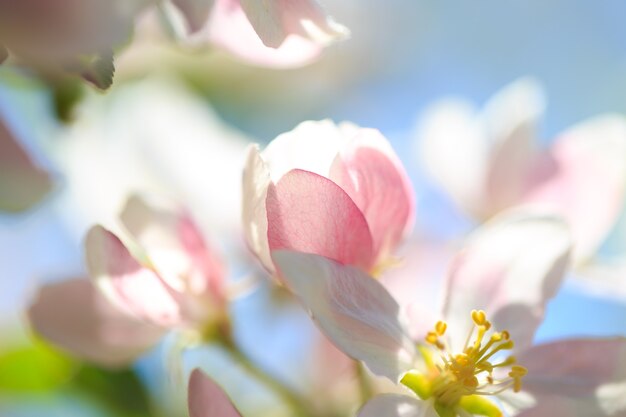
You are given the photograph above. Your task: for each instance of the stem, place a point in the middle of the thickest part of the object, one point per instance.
(365, 387)
(299, 404)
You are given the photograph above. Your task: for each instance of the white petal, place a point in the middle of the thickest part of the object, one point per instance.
(352, 309)
(256, 180)
(510, 268)
(510, 121)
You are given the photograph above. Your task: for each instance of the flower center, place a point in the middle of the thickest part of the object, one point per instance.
(459, 379)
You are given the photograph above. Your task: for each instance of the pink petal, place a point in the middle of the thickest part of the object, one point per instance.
(352, 309)
(583, 178)
(574, 368)
(309, 213)
(376, 181)
(509, 268)
(274, 20)
(175, 247)
(131, 286)
(207, 399)
(394, 405)
(229, 28)
(75, 316)
(22, 182)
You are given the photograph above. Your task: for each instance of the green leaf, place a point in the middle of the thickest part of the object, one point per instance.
(119, 390)
(33, 368)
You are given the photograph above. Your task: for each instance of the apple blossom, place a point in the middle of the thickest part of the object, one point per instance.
(275, 33)
(337, 191)
(165, 278)
(479, 347)
(489, 161)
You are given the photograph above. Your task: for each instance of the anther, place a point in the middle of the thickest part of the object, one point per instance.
(479, 317)
(441, 327)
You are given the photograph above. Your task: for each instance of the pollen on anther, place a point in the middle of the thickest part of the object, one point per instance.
(479, 317)
(441, 327)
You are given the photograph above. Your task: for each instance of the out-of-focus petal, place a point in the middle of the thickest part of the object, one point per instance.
(417, 283)
(207, 399)
(454, 152)
(575, 368)
(22, 182)
(175, 247)
(483, 159)
(196, 12)
(256, 180)
(228, 28)
(583, 178)
(275, 20)
(309, 213)
(393, 405)
(352, 309)
(376, 181)
(509, 268)
(75, 316)
(132, 287)
(510, 121)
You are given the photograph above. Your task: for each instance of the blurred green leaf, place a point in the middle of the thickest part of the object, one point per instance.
(34, 367)
(120, 390)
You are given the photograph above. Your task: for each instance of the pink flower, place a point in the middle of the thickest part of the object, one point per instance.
(275, 33)
(170, 279)
(489, 161)
(494, 300)
(336, 191)
(207, 399)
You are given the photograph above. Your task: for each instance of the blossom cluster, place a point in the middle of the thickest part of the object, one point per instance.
(326, 221)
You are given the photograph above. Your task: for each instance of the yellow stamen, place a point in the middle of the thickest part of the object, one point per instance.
(468, 373)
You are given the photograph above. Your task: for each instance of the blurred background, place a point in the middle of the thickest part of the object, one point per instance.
(177, 122)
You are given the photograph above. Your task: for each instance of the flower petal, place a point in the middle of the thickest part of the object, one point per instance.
(175, 247)
(311, 146)
(256, 180)
(309, 213)
(130, 286)
(373, 176)
(574, 368)
(230, 29)
(352, 309)
(510, 121)
(510, 268)
(584, 179)
(207, 399)
(483, 159)
(394, 405)
(22, 182)
(195, 12)
(75, 316)
(274, 20)
(454, 152)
